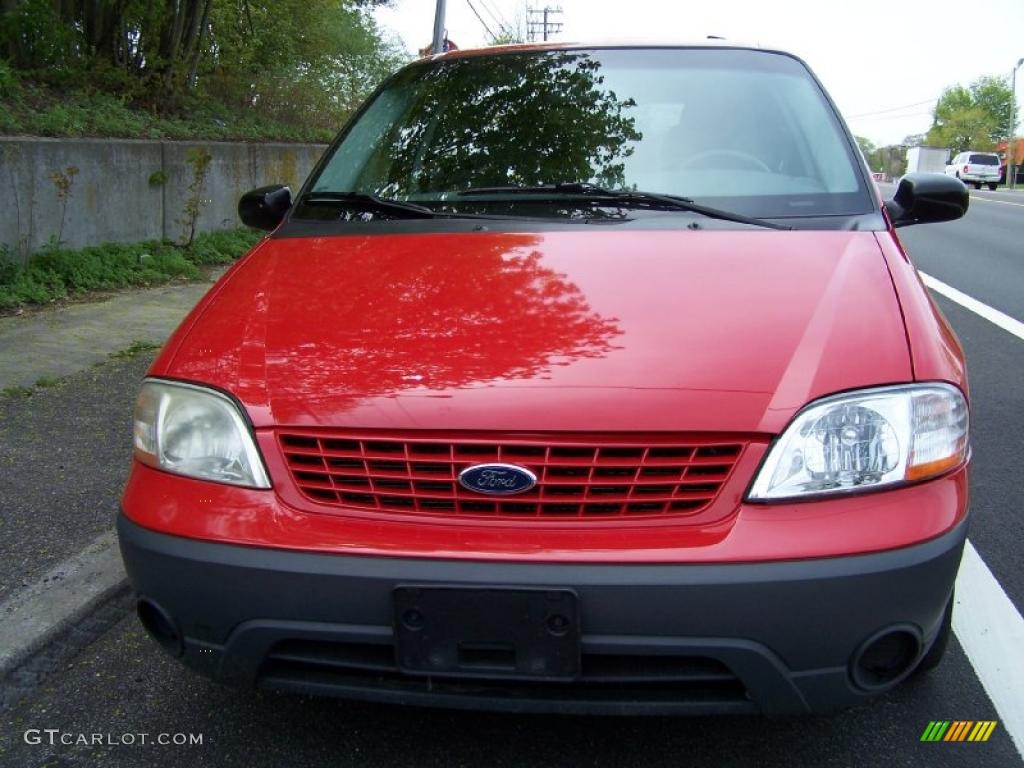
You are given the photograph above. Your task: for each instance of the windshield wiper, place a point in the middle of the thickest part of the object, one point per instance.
(400, 208)
(373, 203)
(626, 197)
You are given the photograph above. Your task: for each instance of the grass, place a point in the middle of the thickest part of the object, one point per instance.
(35, 109)
(57, 273)
(46, 382)
(16, 392)
(135, 349)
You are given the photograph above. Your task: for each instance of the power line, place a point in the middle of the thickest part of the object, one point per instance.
(499, 17)
(895, 109)
(892, 117)
(480, 18)
(490, 13)
(926, 101)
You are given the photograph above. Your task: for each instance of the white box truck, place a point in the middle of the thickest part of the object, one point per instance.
(927, 160)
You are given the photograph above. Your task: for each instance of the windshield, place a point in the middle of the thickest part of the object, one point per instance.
(984, 160)
(746, 131)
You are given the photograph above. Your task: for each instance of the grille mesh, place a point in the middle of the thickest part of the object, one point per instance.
(575, 479)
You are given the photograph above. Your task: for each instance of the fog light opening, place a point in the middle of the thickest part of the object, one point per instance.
(160, 626)
(886, 658)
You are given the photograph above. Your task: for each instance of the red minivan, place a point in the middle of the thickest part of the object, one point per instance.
(574, 379)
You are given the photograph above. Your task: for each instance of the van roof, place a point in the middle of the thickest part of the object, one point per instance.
(560, 46)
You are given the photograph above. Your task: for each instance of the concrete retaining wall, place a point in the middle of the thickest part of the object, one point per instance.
(131, 190)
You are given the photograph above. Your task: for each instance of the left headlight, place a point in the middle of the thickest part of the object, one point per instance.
(198, 432)
(868, 439)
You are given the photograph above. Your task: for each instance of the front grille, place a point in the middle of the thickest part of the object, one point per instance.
(576, 479)
(350, 667)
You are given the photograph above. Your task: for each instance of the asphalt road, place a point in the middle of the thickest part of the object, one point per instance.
(64, 457)
(982, 255)
(123, 685)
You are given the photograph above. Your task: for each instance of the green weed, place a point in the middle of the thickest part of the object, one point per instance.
(55, 272)
(37, 109)
(16, 392)
(133, 350)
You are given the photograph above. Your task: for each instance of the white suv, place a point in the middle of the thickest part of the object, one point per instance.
(976, 168)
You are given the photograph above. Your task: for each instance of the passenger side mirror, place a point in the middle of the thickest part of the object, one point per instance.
(265, 207)
(925, 198)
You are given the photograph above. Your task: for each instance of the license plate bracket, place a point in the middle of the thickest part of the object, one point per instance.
(526, 634)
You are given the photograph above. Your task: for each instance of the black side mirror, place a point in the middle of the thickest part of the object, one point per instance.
(265, 207)
(925, 198)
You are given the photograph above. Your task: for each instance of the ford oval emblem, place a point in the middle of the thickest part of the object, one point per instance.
(497, 479)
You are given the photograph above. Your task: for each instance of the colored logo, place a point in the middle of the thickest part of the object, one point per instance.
(959, 730)
(497, 479)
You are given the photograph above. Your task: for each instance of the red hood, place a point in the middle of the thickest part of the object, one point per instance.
(576, 331)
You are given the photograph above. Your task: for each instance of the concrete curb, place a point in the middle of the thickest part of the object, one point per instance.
(58, 601)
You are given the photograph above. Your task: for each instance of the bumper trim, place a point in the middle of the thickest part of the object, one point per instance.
(782, 632)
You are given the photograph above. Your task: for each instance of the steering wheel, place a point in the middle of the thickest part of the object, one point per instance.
(734, 153)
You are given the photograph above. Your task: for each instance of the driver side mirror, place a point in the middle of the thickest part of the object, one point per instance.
(265, 207)
(925, 198)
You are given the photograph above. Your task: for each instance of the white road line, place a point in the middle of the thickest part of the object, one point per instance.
(991, 632)
(993, 200)
(983, 198)
(1004, 321)
(987, 624)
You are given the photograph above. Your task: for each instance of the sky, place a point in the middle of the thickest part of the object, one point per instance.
(884, 63)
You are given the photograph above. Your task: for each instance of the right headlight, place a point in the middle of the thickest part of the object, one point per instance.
(867, 439)
(197, 432)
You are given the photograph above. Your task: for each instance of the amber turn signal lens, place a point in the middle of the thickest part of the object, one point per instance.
(933, 468)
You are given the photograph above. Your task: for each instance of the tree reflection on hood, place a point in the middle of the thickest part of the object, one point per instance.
(354, 317)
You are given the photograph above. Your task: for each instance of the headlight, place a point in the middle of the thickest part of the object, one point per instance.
(196, 432)
(867, 439)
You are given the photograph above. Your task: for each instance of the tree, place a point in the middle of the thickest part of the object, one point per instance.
(309, 61)
(303, 60)
(963, 129)
(977, 117)
(866, 145)
(993, 95)
(891, 160)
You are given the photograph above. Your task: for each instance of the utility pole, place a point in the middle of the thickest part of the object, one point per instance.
(1011, 140)
(438, 44)
(544, 26)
